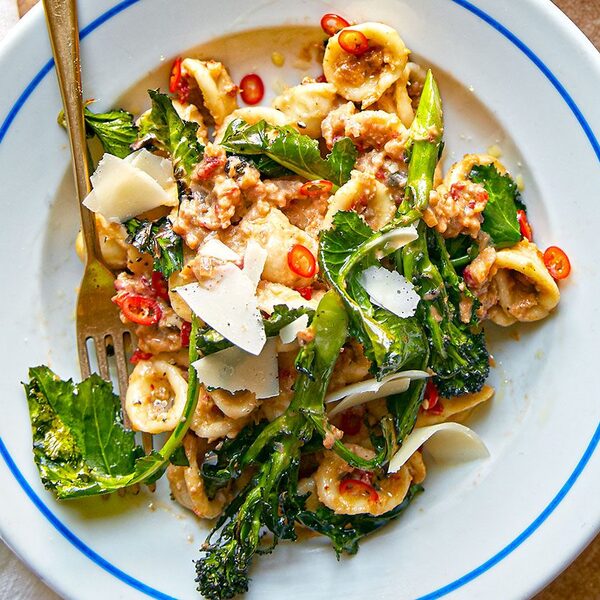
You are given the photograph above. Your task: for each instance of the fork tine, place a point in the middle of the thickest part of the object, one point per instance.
(119, 344)
(84, 361)
(122, 369)
(102, 356)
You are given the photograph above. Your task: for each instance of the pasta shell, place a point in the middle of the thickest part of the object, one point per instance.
(156, 396)
(218, 91)
(366, 77)
(307, 105)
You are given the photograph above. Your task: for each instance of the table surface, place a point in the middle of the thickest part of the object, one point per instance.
(581, 581)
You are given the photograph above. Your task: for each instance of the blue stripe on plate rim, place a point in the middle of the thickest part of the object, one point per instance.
(442, 591)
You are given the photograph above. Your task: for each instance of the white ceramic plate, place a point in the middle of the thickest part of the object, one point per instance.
(518, 74)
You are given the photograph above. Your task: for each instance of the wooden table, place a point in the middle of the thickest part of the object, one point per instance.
(581, 581)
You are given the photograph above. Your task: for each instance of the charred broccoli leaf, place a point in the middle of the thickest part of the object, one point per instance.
(158, 239)
(292, 150)
(172, 134)
(80, 445)
(458, 352)
(500, 213)
(389, 341)
(115, 129)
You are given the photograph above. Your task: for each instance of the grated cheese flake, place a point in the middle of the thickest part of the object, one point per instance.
(227, 302)
(233, 370)
(390, 290)
(446, 442)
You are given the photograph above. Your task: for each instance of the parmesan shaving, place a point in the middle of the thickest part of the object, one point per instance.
(445, 442)
(371, 389)
(215, 248)
(227, 302)
(390, 290)
(255, 258)
(233, 370)
(289, 332)
(394, 240)
(122, 190)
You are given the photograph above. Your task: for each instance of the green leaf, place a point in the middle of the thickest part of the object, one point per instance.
(115, 129)
(210, 341)
(160, 241)
(500, 214)
(389, 341)
(79, 443)
(292, 150)
(172, 134)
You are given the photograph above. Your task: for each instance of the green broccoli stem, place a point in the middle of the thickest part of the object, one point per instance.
(176, 438)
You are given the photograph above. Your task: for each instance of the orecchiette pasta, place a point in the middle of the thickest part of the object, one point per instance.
(218, 91)
(187, 485)
(366, 77)
(392, 488)
(112, 238)
(307, 105)
(455, 409)
(526, 291)
(210, 422)
(156, 396)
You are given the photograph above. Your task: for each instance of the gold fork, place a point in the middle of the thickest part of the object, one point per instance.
(97, 317)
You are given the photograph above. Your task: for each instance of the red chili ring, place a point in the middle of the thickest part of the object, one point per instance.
(557, 262)
(524, 225)
(252, 89)
(302, 261)
(175, 77)
(353, 41)
(316, 187)
(139, 309)
(356, 486)
(332, 23)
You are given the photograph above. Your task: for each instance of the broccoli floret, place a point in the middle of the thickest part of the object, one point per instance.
(466, 365)
(260, 507)
(223, 571)
(458, 353)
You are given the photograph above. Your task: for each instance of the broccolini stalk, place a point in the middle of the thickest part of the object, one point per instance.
(458, 353)
(427, 130)
(223, 571)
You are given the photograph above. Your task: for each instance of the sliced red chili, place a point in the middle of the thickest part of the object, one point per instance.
(186, 328)
(302, 261)
(321, 78)
(316, 187)
(175, 77)
(353, 41)
(432, 398)
(356, 487)
(305, 292)
(139, 309)
(332, 23)
(252, 89)
(350, 422)
(139, 355)
(557, 262)
(160, 286)
(524, 225)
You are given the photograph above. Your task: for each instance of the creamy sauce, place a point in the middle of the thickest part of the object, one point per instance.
(243, 53)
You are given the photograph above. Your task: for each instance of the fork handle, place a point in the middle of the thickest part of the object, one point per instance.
(61, 19)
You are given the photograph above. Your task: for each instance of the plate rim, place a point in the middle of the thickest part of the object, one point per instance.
(581, 42)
